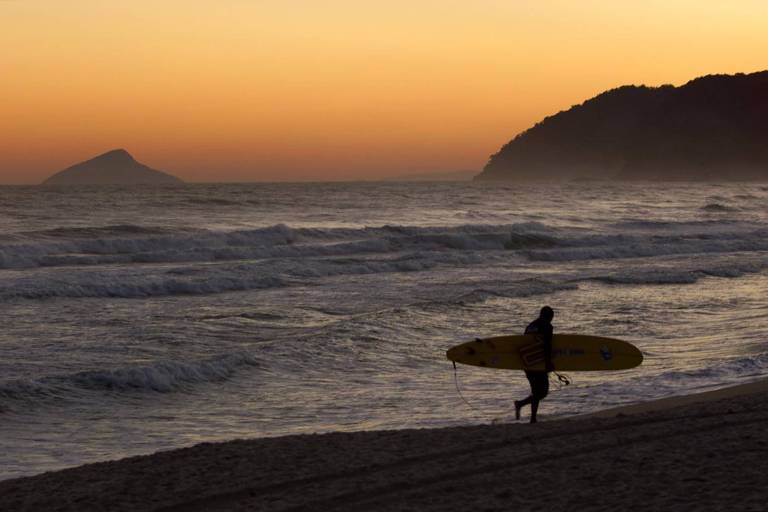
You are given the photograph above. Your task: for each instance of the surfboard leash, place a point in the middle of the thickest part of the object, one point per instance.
(478, 412)
(563, 380)
(458, 389)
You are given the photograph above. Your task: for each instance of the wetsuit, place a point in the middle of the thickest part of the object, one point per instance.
(539, 380)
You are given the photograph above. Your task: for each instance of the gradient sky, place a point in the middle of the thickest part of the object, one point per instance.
(243, 90)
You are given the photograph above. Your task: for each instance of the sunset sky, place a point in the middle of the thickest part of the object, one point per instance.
(243, 90)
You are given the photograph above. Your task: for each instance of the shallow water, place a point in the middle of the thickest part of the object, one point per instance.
(140, 319)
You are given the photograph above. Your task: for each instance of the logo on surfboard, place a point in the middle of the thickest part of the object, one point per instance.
(605, 353)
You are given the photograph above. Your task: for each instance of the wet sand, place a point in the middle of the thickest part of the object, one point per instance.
(696, 452)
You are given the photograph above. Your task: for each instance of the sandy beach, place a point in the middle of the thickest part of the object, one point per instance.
(698, 452)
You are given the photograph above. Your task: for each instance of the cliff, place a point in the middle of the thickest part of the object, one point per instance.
(713, 127)
(115, 167)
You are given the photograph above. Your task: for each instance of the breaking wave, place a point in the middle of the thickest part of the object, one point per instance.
(683, 275)
(159, 377)
(524, 288)
(133, 244)
(129, 261)
(717, 207)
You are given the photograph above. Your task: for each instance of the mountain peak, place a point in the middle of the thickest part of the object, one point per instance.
(117, 155)
(712, 127)
(115, 167)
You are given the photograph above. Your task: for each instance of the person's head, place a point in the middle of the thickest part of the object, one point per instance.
(547, 314)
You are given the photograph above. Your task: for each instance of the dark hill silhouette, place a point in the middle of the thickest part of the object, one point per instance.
(116, 167)
(713, 127)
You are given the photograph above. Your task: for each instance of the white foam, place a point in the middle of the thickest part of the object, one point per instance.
(207, 262)
(161, 377)
(689, 274)
(131, 244)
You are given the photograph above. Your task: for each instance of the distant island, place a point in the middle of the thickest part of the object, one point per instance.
(116, 167)
(713, 127)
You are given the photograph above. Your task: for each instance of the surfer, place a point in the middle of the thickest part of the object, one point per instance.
(539, 380)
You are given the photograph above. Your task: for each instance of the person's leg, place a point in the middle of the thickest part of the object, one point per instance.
(534, 409)
(539, 389)
(519, 404)
(525, 401)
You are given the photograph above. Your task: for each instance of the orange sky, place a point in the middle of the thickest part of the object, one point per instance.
(242, 90)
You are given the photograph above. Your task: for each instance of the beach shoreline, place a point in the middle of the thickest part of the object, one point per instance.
(705, 451)
(660, 404)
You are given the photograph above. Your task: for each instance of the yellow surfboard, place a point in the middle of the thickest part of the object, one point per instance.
(570, 352)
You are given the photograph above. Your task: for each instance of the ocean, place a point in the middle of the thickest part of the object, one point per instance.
(145, 319)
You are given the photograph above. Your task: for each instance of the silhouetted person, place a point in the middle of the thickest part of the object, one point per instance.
(539, 379)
